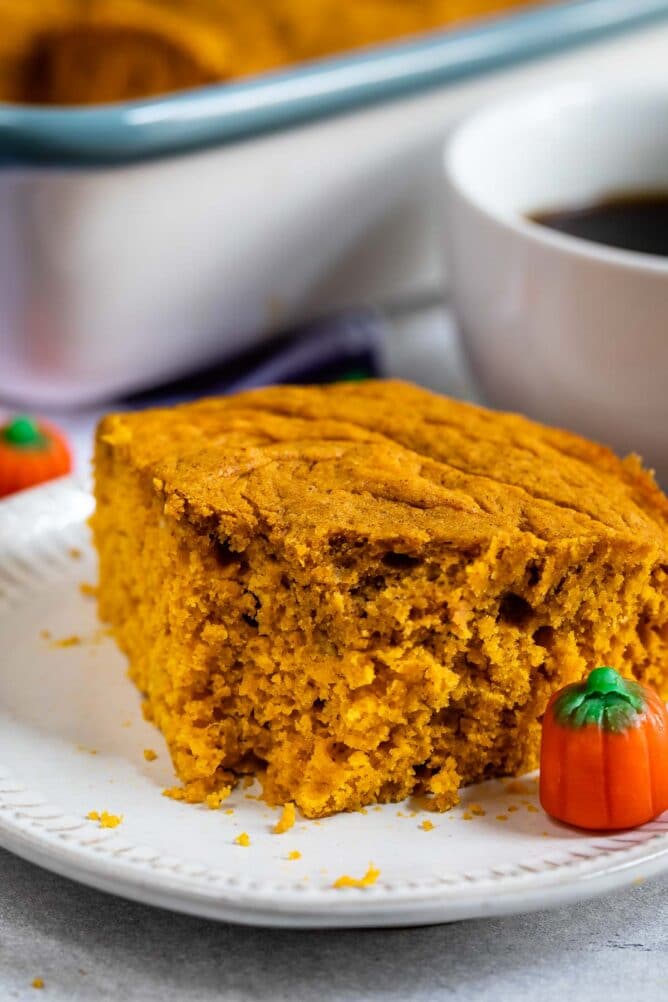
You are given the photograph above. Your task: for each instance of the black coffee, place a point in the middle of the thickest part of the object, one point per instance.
(637, 222)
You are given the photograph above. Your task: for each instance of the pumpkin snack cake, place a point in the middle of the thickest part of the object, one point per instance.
(363, 591)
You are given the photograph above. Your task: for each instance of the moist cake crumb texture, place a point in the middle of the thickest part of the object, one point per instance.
(366, 591)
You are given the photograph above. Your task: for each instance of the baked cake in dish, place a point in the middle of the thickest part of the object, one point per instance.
(364, 591)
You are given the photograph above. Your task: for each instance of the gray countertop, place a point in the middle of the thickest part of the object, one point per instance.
(87, 945)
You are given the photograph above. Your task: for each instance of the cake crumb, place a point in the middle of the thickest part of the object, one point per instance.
(516, 786)
(368, 880)
(150, 755)
(243, 839)
(105, 819)
(427, 826)
(477, 810)
(467, 816)
(230, 810)
(532, 809)
(89, 751)
(71, 641)
(45, 634)
(501, 817)
(248, 782)
(512, 808)
(74, 552)
(37, 983)
(214, 800)
(295, 854)
(378, 808)
(286, 820)
(89, 590)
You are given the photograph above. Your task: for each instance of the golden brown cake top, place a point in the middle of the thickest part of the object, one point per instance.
(384, 461)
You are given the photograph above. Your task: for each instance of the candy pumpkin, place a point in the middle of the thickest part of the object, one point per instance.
(30, 453)
(604, 753)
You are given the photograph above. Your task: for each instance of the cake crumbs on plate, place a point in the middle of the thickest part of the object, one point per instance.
(295, 854)
(45, 634)
(512, 808)
(532, 809)
(230, 810)
(150, 755)
(88, 590)
(368, 880)
(501, 817)
(75, 553)
(214, 800)
(37, 983)
(286, 820)
(517, 786)
(467, 816)
(193, 793)
(89, 751)
(427, 826)
(72, 641)
(477, 810)
(243, 839)
(105, 819)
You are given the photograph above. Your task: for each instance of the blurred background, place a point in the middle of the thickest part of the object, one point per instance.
(212, 194)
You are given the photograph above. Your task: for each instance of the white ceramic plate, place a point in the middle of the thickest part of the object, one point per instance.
(72, 740)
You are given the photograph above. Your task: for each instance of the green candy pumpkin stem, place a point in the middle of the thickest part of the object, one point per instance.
(22, 432)
(605, 699)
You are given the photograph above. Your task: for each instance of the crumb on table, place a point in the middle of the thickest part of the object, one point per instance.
(37, 983)
(105, 819)
(243, 839)
(74, 552)
(150, 755)
(89, 590)
(295, 854)
(286, 820)
(427, 826)
(368, 880)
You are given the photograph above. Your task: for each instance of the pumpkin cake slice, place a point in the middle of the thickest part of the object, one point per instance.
(363, 591)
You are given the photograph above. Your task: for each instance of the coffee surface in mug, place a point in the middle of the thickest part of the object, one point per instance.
(635, 221)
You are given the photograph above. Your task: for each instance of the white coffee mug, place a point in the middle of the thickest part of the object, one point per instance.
(571, 332)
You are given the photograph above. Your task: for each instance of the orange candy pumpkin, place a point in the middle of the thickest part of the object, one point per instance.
(604, 753)
(31, 453)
